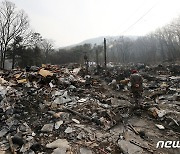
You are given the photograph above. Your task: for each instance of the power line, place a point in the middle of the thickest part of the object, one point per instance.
(139, 19)
(134, 12)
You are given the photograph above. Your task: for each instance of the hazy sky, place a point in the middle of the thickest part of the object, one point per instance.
(72, 21)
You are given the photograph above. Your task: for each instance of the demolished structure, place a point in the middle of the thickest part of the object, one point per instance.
(61, 110)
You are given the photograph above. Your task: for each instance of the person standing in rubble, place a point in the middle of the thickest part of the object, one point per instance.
(136, 85)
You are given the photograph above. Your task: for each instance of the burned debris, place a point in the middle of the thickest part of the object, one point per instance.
(62, 109)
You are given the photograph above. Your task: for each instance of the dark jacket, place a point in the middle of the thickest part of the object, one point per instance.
(136, 82)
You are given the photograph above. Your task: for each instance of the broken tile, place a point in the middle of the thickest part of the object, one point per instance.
(59, 143)
(84, 150)
(47, 128)
(58, 124)
(129, 148)
(68, 130)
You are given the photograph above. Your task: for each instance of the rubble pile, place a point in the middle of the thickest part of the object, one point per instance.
(60, 110)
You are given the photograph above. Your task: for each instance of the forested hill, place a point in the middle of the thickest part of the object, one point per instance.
(98, 40)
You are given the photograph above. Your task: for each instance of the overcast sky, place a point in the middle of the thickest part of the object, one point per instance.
(69, 22)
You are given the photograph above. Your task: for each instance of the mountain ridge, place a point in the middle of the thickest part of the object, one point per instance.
(98, 40)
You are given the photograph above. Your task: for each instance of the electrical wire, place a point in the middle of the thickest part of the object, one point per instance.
(139, 19)
(134, 12)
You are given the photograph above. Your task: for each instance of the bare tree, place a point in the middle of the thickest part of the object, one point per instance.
(123, 45)
(13, 23)
(35, 40)
(47, 46)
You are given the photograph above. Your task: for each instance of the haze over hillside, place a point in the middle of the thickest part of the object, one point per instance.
(99, 40)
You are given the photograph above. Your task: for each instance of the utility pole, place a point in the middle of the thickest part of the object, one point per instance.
(97, 57)
(105, 52)
(86, 62)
